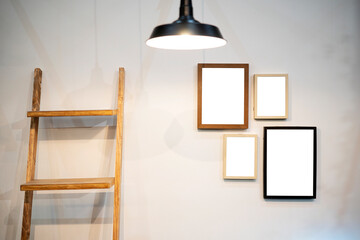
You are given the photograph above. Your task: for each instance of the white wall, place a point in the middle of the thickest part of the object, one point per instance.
(172, 183)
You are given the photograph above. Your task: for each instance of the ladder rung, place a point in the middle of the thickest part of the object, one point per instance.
(68, 184)
(71, 113)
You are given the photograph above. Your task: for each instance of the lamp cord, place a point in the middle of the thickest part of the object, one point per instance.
(202, 20)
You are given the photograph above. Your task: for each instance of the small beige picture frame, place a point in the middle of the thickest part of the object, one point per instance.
(270, 93)
(240, 156)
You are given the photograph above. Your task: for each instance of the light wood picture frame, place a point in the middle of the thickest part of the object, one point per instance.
(290, 162)
(270, 96)
(223, 96)
(240, 156)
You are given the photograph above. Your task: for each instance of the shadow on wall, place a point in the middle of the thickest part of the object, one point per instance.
(14, 151)
(94, 202)
(96, 89)
(353, 129)
(73, 208)
(37, 43)
(96, 123)
(190, 144)
(353, 160)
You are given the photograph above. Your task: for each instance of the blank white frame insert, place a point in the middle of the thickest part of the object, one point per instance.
(289, 162)
(270, 96)
(240, 156)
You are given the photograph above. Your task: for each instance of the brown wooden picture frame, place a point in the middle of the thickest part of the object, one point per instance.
(240, 156)
(223, 96)
(273, 103)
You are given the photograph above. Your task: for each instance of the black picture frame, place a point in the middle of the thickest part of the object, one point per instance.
(290, 162)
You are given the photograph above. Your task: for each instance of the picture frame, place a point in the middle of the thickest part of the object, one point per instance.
(270, 96)
(223, 96)
(290, 162)
(239, 156)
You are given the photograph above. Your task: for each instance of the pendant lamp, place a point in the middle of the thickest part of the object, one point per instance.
(186, 33)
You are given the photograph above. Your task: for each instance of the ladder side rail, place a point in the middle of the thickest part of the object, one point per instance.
(118, 158)
(30, 171)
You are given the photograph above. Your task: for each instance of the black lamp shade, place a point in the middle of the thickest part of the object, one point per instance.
(186, 33)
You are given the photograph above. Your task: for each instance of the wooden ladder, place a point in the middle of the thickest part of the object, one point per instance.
(74, 183)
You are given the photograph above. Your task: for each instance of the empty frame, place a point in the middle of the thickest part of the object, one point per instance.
(223, 91)
(240, 156)
(289, 162)
(270, 96)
